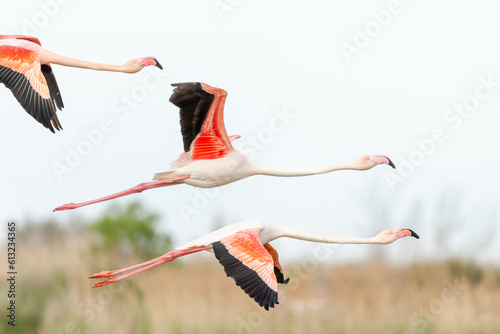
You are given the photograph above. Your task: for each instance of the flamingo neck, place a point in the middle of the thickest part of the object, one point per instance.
(291, 172)
(71, 62)
(279, 231)
(330, 240)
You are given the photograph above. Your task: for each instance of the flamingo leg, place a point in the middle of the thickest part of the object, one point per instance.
(137, 189)
(170, 256)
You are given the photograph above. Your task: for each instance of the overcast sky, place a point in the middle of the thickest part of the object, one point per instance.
(309, 83)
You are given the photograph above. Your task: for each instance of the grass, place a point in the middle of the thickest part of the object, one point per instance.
(193, 295)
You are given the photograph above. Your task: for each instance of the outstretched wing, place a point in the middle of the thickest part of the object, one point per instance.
(201, 118)
(250, 265)
(278, 271)
(32, 83)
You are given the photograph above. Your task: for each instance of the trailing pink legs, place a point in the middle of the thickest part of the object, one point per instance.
(170, 256)
(137, 189)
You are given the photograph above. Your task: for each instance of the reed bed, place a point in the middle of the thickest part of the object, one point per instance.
(193, 295)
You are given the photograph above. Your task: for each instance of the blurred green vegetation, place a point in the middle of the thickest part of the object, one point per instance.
(46, 268)
(54, 294)
(465, 269)
(130, 228)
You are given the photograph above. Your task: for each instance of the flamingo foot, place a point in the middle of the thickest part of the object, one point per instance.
(139, 268)
(105, 282)
(103, 273)
(69, 206)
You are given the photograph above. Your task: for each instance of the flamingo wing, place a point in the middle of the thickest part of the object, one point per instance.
(201, 118)
(193, 106)
(27, 38)
(278, 271)
(46, 70)
(55, 93)
(32, 83)
(245, 259)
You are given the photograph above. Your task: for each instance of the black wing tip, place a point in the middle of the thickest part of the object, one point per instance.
(244, 277)
(182, 88)
(42, 110)
(194, 104)
(53, 125)
(59, 128)
(178, 84)
(280, 278)
(194, 86)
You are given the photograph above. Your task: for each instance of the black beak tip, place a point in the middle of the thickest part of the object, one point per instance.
(391, 163)
(158, 64)
(415, 235)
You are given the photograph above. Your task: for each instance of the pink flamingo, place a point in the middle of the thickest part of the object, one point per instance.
(25, 69)
(244, 251)
(209, 160)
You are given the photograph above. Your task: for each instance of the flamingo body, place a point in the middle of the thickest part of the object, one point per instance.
(244, 251)
(25, 69)
(211, 173)
(209, 159)
(265, 228)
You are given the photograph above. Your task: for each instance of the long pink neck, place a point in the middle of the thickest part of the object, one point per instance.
(273, 231)
(66, 61)
(259, 169)
(283, 231)
(331, 240)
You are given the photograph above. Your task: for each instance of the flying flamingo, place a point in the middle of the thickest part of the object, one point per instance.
(25, 69)
(209, 160)
(244, 251)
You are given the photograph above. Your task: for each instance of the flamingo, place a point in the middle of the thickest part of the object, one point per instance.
(209, 160)
(25, 69)
(244, 251)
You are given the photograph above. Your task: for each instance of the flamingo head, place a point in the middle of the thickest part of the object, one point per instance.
(369, 161)
(391, 235)
(135, 65)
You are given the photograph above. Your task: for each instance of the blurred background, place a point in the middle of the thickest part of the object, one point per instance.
(309, 84)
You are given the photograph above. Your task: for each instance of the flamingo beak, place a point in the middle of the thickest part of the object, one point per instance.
(158, 64)
(381, 159)
(393, 166)
(410, 233)
(405, 232)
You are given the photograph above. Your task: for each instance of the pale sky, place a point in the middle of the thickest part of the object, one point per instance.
(309, 84)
